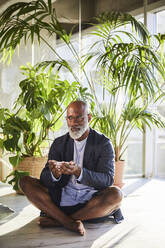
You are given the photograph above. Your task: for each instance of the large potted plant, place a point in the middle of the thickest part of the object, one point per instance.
(126, 60)
(116, 118)
(44, 97)
(38, 110)
(128, 64)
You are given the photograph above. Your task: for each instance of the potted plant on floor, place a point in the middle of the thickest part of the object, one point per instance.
(126, 65)
(44, 97)
(38, 110)
(117, 121)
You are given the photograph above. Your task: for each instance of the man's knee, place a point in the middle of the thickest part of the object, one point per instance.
(25, 182)
(113, 195)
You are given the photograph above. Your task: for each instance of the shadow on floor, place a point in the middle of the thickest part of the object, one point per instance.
(31, 235)
(136, 184)
(16, 203)
(5, 213)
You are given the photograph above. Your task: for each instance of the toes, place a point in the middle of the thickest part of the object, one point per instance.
(82, 233)
(81, 228)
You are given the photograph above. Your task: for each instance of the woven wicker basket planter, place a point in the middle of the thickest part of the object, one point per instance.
(33, 164)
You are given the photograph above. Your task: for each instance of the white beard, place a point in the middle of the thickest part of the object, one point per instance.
(78, 133)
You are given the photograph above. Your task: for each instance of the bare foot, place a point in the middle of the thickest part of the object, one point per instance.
(48, 222)
(76, 226)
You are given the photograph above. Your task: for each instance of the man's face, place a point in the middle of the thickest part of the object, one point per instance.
(77, 120)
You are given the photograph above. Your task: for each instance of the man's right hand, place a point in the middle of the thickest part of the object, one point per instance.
(55, 168)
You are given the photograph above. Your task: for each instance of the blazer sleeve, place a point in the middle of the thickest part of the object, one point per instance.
(99, 174)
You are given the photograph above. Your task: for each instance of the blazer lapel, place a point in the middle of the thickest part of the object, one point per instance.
(69, 149)
(88, 149)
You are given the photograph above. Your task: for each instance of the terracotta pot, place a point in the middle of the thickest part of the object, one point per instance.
(33, 164)
(119, 173)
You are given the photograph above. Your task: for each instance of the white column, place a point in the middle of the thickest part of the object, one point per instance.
(80, 45)
(149, 145)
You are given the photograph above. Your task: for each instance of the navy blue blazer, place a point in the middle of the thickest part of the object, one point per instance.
(98, 163)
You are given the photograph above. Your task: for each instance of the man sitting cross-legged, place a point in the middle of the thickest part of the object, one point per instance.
(76, 183)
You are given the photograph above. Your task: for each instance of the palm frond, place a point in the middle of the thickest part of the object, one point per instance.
(116, 19)
(23, 21)
(130, 65)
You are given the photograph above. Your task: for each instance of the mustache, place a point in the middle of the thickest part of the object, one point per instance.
(76, 127)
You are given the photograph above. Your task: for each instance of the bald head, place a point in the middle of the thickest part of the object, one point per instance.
(79, 104)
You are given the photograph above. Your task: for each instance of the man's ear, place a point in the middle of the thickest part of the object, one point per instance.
(89, 117)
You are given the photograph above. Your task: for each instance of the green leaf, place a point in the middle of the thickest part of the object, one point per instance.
(58, 124)
(10, 144)
(50, 6)
(15, 160)
(1, 146)
(45, 111)
(16, 175)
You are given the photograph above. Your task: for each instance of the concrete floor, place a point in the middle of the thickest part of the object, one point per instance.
(144, 225)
